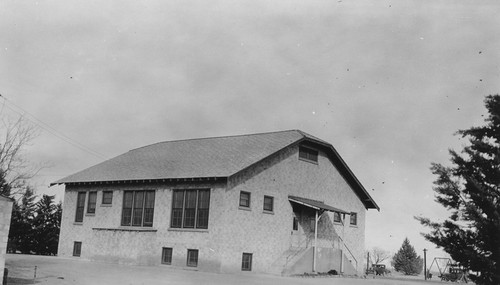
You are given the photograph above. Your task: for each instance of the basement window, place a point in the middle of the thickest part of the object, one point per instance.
(77, 248)
(192, 258)
(246, 262)
(308, 154)
(166, 255)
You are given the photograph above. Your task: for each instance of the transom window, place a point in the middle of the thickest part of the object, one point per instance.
(91, 202)
(192, 258)
(246, 262)
(190, 209)
(268, 203)
(308, 154)
(166, 255)
(80, 205)
(354, 219)
(107, 197)
(244, 199)
(138, 208)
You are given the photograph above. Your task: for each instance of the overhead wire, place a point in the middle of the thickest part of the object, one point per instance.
(22, 112)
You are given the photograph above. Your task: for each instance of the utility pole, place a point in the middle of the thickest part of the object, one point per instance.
(425, 264)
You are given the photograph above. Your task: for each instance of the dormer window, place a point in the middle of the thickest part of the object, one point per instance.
(308, 154)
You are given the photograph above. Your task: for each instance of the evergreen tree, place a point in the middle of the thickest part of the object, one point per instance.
(470, 190)
(406, 260)
(21, 224)
(46, 226)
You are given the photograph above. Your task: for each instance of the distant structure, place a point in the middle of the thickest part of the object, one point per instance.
(281, 203)
(5, 215)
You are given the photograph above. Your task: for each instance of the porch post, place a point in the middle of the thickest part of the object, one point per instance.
(315, 240)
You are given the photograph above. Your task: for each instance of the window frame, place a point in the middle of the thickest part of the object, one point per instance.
(308, 154)
(243, 193)
(353, 219)
(183, 217)
(189, 255)
(167, 252)
(107, 200)
(246, 261)
(80, 206)
(137, 210)
(92, 202)
(272, 203)
(77, 248)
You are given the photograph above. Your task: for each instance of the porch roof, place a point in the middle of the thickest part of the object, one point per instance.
(315, 204)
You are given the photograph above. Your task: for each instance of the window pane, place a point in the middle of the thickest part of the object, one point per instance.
(203, 199)
(149, 204)
(336, 217)
(176, 218)
(128, 198)
(137, 212)
(80, 205)
(92, 202)
(203, 206)
(178, 199)
(244, 199)
(190, 209)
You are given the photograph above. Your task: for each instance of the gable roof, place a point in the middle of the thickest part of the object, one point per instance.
(217, 157)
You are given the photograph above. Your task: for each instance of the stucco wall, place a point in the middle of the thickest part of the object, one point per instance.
(269, 236)
(5, 215)
(103, 238)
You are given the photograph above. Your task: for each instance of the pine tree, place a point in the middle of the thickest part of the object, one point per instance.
(46, 226)
(470, 190)
(21, 224)
(406, 260)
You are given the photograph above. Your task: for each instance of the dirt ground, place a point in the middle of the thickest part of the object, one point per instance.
(57, 270)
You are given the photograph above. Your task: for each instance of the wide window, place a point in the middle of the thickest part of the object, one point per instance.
(190, 209)
(244, 199)
(268, 203)
(166, 255)
(107, 197)
(246, 262)
(138, 208)
(80, 205)
(308, 154)
(192, 257)
(354, 219)
(92, 202)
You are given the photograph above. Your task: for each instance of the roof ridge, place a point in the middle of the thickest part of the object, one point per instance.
(220, 137)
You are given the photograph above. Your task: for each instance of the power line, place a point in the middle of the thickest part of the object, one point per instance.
(48, 128)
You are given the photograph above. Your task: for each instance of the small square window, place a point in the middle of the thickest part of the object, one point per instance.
(77, 248)
(166, 255)
(192, 258)
(107, 197)
(295, 224)
(336, 217)
(91, 202)
(354, 219)
(246, 262)
(268, 203)
(244, 199)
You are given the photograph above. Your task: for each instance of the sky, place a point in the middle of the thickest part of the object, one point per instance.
(387, 83)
